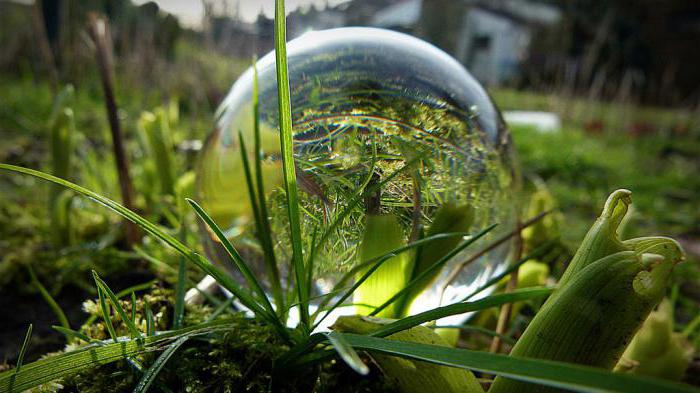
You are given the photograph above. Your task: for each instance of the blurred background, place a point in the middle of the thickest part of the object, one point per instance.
(598, 95)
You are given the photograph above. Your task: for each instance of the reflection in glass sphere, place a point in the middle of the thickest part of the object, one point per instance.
(367, 104)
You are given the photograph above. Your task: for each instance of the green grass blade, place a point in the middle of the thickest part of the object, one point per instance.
(179, 311)
(48, 369)
(461, 308)
(106, 314)
(310, 262)
(155, 261)
(220, 309)
(180, 286)
(133, 307)
(252, 196)
(23, 349)
(431, 270)
(554, 374)
(347, 353)
(62, 319)
(156, 133)
(150, 324)
(135, 333)
(70, 333)
(270, 264)
(135, 288)
(235, 256)
(264, 229)
(287, 146)
(352, 289)
(150, 375)
(477, 329)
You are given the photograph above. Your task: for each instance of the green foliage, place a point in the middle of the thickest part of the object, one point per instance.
(580, 169)
(210, 349)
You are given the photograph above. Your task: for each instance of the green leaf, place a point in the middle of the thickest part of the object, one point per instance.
(549, 373)
(180, 286)
(477, 329)
(412, 376)
(263, 226)
(150, 375)
(106, 314)
(155, 131)
(133, 307)
(287, 146)
(23, 349)
(135, 333)
(235, 256)
(294, 356)
(150, 325)
(347, 353)
(461, 308)
(70, 333)
(179, 308)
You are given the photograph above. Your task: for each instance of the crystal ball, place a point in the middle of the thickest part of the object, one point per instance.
(374, 110)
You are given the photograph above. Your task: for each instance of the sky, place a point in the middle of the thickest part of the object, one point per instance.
(190, 11)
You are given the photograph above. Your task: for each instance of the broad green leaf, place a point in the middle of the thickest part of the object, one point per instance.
(549, 373)
(382, 233)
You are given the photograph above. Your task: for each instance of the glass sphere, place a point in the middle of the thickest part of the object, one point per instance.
(375, 110)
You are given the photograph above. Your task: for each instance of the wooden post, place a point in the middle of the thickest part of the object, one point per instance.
(99, 32)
